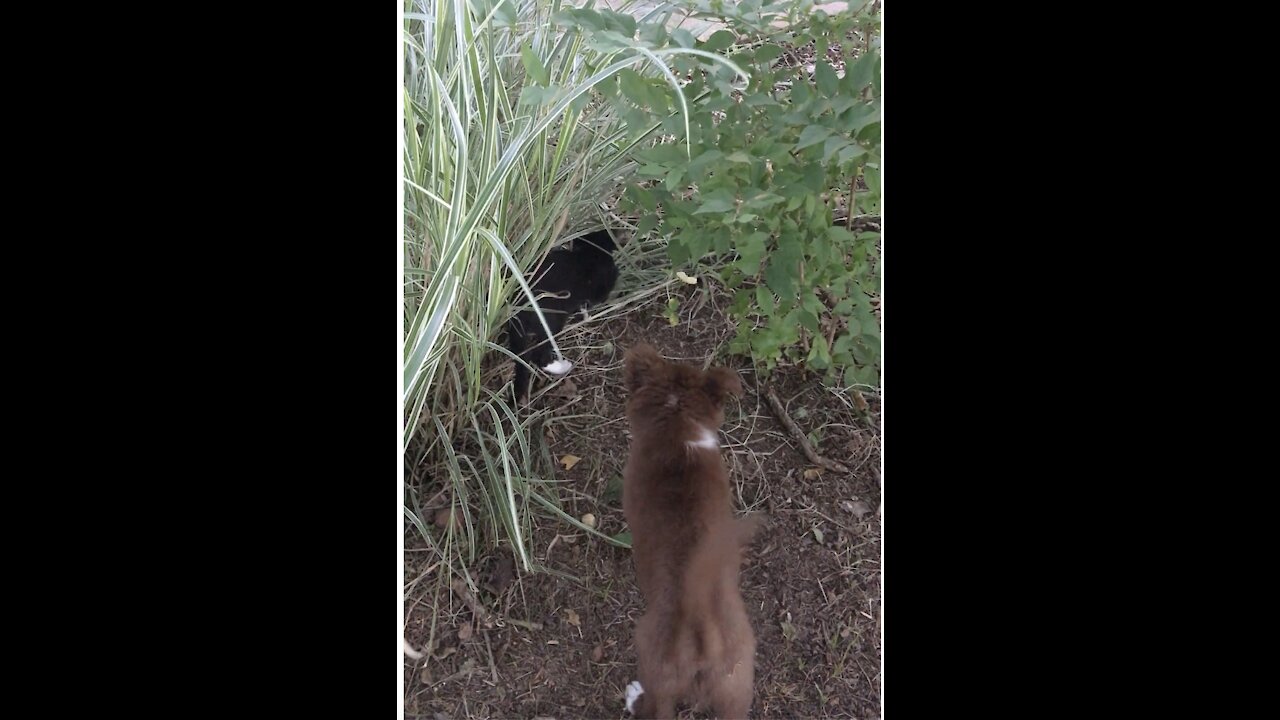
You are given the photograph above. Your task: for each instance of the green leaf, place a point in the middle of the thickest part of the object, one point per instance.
(828, 83)
(505, 14)
(780, 275)
(624, 538)
(609, 41)
(764, 299)
(858, 76)
(684, 38)
(751, 251)
(653, 34)
(715, 202)
(647, 223)
(766, 53)
(842, 103)
(534, 95)
(642, 197)
(533, 65)
(851, 151)
(720, 40)
(819, 356)
(872, 178)
(702, 160)
(812, 135)
(634, 87)
(622, 23)
(764, 200)
(675, 180)
(739, 157)
(809, 320)
(871, 132)
(830, 147)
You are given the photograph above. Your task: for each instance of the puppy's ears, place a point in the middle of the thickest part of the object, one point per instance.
(722, 382)
(639, 365)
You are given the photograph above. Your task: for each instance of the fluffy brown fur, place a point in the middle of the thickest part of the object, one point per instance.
(694, 642)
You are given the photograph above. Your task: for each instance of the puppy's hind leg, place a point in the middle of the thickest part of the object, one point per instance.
(730, 694)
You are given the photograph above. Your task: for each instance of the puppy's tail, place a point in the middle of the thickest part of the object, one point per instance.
(715, 562)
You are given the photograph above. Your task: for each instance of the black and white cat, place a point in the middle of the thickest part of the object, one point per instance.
(567, 282)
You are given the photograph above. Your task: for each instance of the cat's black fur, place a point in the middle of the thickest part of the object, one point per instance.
(567, 282)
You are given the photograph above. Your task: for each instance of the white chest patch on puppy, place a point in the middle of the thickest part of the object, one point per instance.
(559, 367)
(706, 440)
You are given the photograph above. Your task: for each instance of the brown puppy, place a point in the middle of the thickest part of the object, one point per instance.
(694, 642)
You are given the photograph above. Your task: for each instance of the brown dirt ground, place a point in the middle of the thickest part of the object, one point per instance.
(563, 647)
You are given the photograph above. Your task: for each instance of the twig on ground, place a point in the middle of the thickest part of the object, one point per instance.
(809, 452)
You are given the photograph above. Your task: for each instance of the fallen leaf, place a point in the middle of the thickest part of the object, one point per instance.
(444, 516)
(572, 617)
(597, 653)
(464, 631)
(817, 535)
(613, 490)
(425, 676)
(860, 401)
(857, 508)
(502, 574)
(565, 389)
(568, 461)
(812, 473)
(685, 278)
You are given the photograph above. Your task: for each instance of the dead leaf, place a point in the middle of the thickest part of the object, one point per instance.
(425, 676)
(860, 401)
(597, 653)
(568, 461)
(812, 473)
(502, 574)
(817, 534)
(572, 617)
(857, 508)
(464, 632)
(565, 389)
(444, 516)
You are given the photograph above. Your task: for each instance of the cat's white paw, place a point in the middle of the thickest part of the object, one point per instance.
(559, 367)
(634, 691)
